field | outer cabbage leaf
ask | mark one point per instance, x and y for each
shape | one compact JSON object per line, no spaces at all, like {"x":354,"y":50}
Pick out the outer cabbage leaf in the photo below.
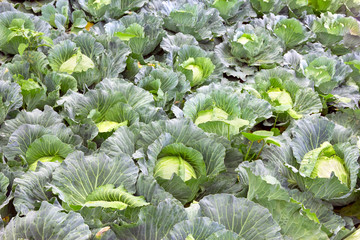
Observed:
{"x":309,"y":134}
{"x":154,"y":222}
{"x":31,"y":64}
{"x":313,"y":6}
{"x":324,"y":6}
{"x":11,"y":98}
{"x":4,"y":183}
{"x":31,"y":189}
{"x":180,"y":130}
{"x":233,"y":67}
{"x":148,"y":187}
{"x":324,"y":211}
{"x":263,"y":183}
{"x":47,"y":148}
{"x":59,"y":83}
{"x":134,"y":96}
{"x":240,"y":215}
{"x":96,"y":9}
{"x":121,"y":142}
{"x":99,"y":220}
{"x":294,"y":223}
{"x":108,"y":8}
{"x":346,"y":96}
{"x":199,"y":228}
{"x":225,"y":235}
{"x":292,"y":32}
{"x":49,"y":222}
{"x":355,"y":235}
{"x":33,"y":92}
{"x":173,"y":43}
{"x":233,"y":10}
{"x":117,"y":198}
{"x":36,"y":6}
{"x":264,"y":6}
{"x":353,"y":60}
{"x":65,"y":57}
{"x":112,"y":61}
{"x":349,"y":118}
{"x":321,"y":71}
{"x":46,"y":118}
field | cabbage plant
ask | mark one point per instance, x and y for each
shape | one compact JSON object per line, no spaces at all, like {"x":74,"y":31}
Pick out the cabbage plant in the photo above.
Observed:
{"x":31,"y":139}
{"x":340,"y":33}
{"x":213,"y":220}
{"x":39,"y":86}
{"x":165,"y":85}
{"x":267,"y":187}
{"x":197,"y":65}
{"x":19,"y":32}
{"x":314,"y":6}
{"x":353,"y":61}
{"x":58,"y":15}
{"x":291,"y":31}
{"x":319,"y":161}
{"x":112,"y":104}
{"x":248,"y":46}
{"x":179,"y":119}
{"x":85,"y":59}
{"x":232,"y":10}
{"x":142,"y":33}
{"x":46,"y":223}
{"x":287,"y":95}
{"x":189,"y":18}
{"x":110,"y":185}
{"x":99,"y":10}
{"x":324,"y":70}
{"x":225,"y":112}
{"x":179,"y":154}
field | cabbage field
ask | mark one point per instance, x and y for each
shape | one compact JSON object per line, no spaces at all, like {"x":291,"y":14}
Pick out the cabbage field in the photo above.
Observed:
{"x":179,"y":120}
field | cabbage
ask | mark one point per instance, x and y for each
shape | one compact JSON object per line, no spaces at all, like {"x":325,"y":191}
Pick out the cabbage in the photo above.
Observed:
{"x":281,"y":97}
{"x":167,"y":166}
{"x":200,"y":67}
{"x":322,"y":162}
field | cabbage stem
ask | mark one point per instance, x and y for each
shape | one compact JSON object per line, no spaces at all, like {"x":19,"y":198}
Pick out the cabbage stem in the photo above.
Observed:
{"x":248,"y":151}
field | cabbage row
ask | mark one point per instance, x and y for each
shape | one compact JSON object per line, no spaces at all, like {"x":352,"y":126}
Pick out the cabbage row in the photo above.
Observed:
{"x":179,"y":120}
